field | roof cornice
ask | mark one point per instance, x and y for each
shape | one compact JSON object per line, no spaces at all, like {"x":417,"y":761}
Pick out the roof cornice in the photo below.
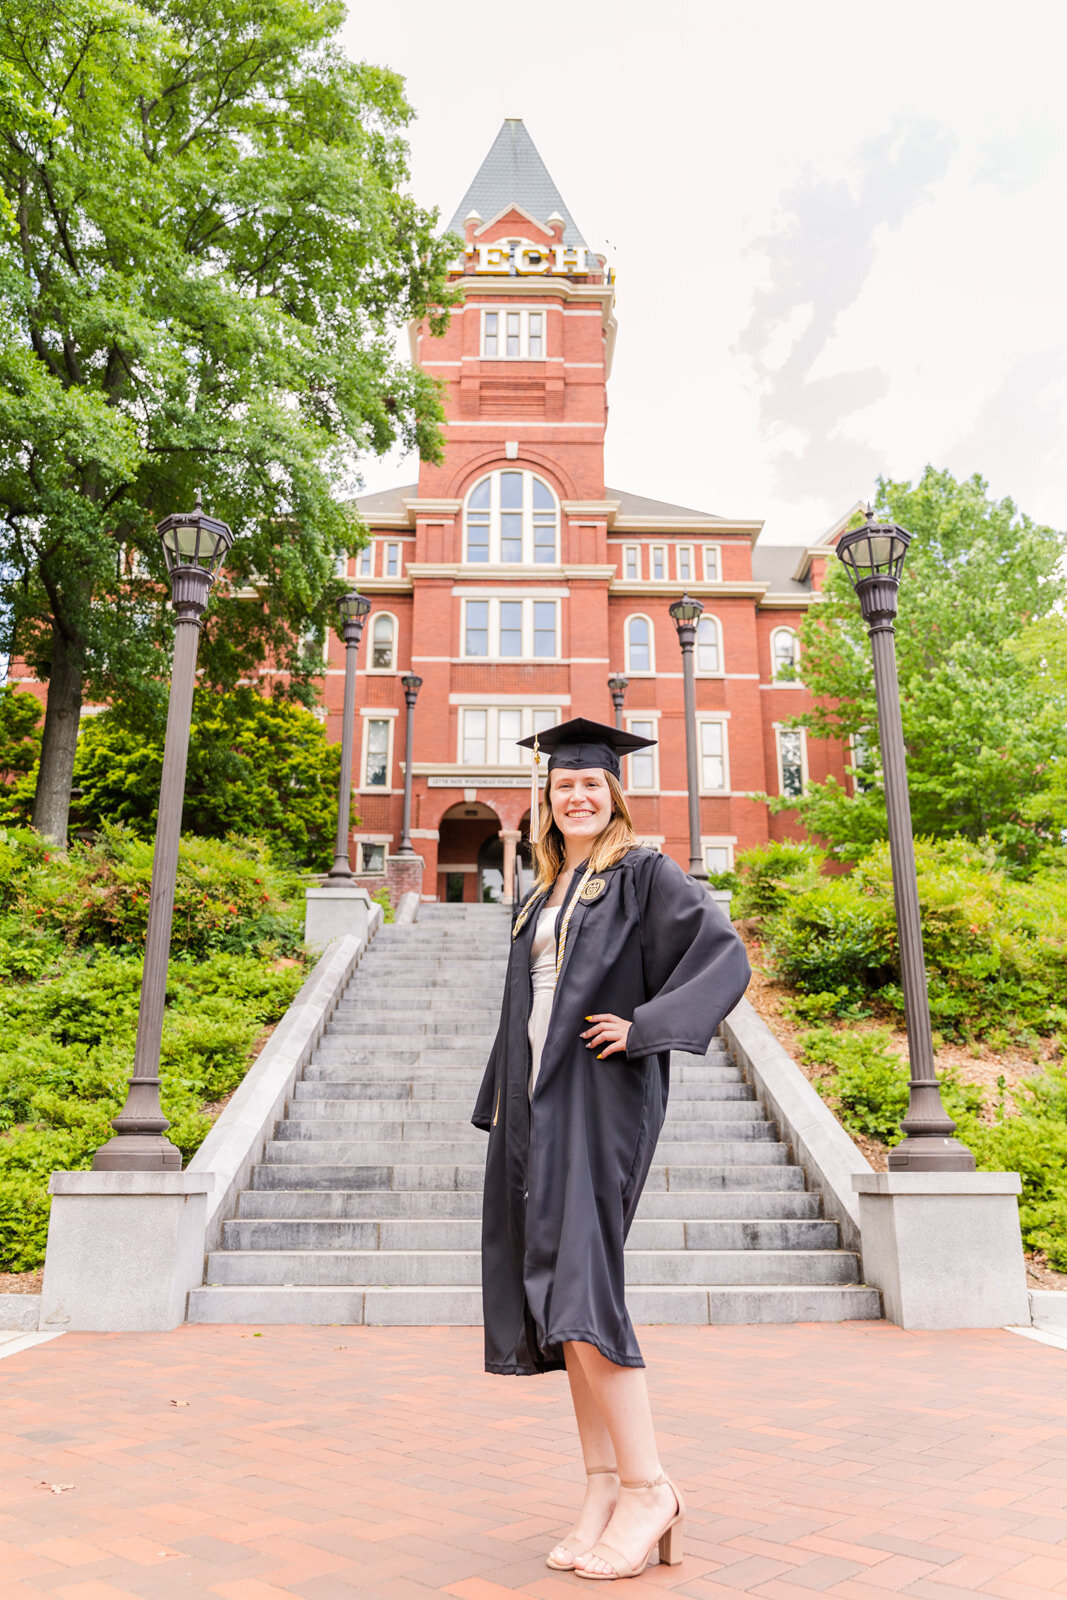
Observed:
{"x":707,"y":526}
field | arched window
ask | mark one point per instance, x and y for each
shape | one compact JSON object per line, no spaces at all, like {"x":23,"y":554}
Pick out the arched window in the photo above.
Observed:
{"x":639,"y":657}
{"x":785,"y":652}
{"x":383,"y":643}
{"x":512,"y":517}
{"x":709,"y":645}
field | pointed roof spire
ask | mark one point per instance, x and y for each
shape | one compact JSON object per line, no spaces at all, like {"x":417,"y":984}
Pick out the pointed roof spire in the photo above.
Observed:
{"x":514,"y":174}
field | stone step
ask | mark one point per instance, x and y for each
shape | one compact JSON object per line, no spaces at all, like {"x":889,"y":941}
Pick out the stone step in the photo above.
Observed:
{"x":446,"y":1133}
{"x":415,"y":1093}
{"x":686,"y":1205}
{"x":333,"y":1060}
{"x":439,"y":1175}
{"x":334,"y":1152}
{"x":452,"y":1115}
{"x":464,"y":1233}
{"x":414,"y":1025}
{"x":644,"y":1268}
{"x":442,"y":1306}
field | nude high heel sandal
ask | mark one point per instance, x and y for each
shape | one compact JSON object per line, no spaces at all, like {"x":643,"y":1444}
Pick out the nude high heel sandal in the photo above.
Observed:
{"x":569,"y":1543}
{"x":669,"y":1540}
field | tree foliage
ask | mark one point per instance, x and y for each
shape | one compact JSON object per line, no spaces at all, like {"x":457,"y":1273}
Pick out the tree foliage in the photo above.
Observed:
{"x":982,"y":705}
{"x":205,"y":254}
{"x":258,"y":768}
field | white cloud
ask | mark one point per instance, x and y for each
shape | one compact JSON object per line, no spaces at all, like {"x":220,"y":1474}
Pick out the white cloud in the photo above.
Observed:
{"x":836,"y":230}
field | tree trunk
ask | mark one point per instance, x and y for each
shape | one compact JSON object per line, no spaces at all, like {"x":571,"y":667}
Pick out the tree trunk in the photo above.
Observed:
{"x":51,"y":802}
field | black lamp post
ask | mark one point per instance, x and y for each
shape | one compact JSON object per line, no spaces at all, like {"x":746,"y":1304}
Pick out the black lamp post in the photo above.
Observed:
{"x":412,"y":685}
{"x":874,"y":557}
{"x":618,"y":687}
{"x":195,"y":546}
{"x":686,"y":613}
{"x":353,"y":608}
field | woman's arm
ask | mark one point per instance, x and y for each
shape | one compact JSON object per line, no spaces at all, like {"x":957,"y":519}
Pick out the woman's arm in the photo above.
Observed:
{"x":696,"y":969}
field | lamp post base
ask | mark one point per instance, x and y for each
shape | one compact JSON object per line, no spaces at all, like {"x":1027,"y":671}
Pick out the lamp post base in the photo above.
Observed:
{"x":138,"y":1152}
{"x":930,"y":1153}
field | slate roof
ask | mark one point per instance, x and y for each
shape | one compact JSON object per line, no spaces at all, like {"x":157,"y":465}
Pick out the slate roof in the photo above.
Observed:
{"x":514,"y":174}
{"x":386,"y":502}
{"x":775,"y":565}
{"x":636,"y":505}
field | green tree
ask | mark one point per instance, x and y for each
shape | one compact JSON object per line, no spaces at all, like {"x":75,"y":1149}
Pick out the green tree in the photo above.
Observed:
{"x":258,"y":768}
{"x":20,"y":739}
{"x":205,"y":255}
{"x":984,"y":732}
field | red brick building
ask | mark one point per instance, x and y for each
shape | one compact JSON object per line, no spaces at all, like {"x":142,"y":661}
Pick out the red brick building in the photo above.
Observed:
{"x":515,"y":583}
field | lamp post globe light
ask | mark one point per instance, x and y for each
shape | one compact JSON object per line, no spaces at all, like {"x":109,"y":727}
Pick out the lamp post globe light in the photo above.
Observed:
{"x":686,"y":613}
{"x":194,"y":546}
{"x":618,"y":687}
{"x":412,"y":685}
{"x":874,"y":558}
{"x":353,"y":608}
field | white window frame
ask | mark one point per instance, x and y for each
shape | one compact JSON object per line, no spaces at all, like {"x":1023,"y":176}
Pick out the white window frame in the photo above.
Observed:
{"x":680,"y":551}
{"x":640,"y":672}
{"x":362,"y":845}
{"x":720,"y":670}
{"x":712,"y":560}
{"x":494,"y":603}
{"x":530,"y":717}
{"x":530,"y":513}
{"x":652,"y":754}
{"x":393,"y":550}
{"x":365,"y":560}
{"x":634,"y":551}
{"x":803,"y":735}
{"x":524,"y":313}
{"x":858,"y":747}
{"x":724,"y":724}
{"x":370,"y":626}
{"x":376,"y":714}
{"x":777,"y":633}
{"x":658,"y":552}
{"x":717,"y":842}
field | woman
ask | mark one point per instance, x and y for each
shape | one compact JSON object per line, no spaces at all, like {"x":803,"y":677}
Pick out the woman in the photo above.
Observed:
{"x":617,"y":959}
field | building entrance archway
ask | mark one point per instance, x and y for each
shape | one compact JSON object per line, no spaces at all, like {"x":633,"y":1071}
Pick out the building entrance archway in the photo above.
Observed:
{"x":479,"y":859}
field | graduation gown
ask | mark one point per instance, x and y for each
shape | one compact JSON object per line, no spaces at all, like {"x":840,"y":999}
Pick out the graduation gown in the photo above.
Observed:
{"x":564,"y":1173}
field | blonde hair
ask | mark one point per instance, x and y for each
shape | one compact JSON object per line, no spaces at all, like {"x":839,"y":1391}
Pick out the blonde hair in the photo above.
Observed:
{"x":608,"y":847}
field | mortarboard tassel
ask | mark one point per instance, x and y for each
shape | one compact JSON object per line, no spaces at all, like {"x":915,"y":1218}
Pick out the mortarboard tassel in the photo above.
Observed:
{"x":535,"y":803}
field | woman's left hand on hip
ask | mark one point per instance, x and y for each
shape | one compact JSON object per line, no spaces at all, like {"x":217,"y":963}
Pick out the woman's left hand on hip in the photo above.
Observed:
{"x":608,"y":1034}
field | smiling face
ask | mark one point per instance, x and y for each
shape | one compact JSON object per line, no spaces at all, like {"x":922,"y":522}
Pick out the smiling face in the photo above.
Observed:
{"x":580,"y":801}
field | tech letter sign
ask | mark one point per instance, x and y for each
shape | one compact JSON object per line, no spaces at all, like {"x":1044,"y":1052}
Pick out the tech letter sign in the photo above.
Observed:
{"x":529,"y":260}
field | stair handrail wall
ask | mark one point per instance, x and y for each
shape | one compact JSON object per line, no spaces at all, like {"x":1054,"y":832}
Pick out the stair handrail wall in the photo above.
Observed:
{"x":819,"y":1143}
{"x":239,"y":1136}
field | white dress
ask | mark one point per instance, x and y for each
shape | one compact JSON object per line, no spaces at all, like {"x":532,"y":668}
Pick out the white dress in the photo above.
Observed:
{"x":543,"y":977}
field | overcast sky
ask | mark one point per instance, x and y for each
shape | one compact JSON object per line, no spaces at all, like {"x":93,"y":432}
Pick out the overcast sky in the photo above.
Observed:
{"x":838,"y":229}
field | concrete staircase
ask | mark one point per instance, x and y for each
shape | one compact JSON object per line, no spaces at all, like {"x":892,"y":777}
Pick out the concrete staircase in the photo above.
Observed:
{"x":367,"y":1206}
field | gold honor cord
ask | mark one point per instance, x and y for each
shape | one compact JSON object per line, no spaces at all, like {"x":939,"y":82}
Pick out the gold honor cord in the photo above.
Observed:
{"x":586,"y":875}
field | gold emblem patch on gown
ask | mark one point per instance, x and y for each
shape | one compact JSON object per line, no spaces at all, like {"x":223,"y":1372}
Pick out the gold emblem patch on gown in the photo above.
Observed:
{"x":592,"y":890}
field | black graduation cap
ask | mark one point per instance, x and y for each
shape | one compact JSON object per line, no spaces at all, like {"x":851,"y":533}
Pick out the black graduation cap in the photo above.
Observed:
{"x":581,"y":743}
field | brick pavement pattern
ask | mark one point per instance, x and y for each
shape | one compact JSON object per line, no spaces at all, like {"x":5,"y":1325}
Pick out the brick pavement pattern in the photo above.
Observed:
{"x":852,"y":1460}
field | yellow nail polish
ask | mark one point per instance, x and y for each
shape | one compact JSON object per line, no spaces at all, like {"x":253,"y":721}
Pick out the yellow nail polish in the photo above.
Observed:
{"x":588,"y":1019}
{"x":600,"y":1057}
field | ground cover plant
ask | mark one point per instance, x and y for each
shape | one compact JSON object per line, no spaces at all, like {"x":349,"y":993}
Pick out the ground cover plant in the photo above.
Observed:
{"x":72,"y":928}
{"x":996,"y":955}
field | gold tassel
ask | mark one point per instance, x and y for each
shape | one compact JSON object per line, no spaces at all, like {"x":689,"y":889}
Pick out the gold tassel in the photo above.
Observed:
{"x":535,"y":801}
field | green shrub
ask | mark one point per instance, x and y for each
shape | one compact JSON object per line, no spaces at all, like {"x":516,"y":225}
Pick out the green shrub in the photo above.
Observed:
{"x":770,"y":874}
{"x":995,"y":944}
{"x":71,"y":953}
{"x":868,"y":1086}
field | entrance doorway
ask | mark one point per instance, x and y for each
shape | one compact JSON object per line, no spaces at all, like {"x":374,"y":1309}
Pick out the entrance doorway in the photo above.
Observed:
{"x":463,"y":871}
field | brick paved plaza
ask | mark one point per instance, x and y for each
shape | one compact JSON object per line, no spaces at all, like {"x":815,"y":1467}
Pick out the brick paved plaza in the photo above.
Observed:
{"x":851,"y":1460}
